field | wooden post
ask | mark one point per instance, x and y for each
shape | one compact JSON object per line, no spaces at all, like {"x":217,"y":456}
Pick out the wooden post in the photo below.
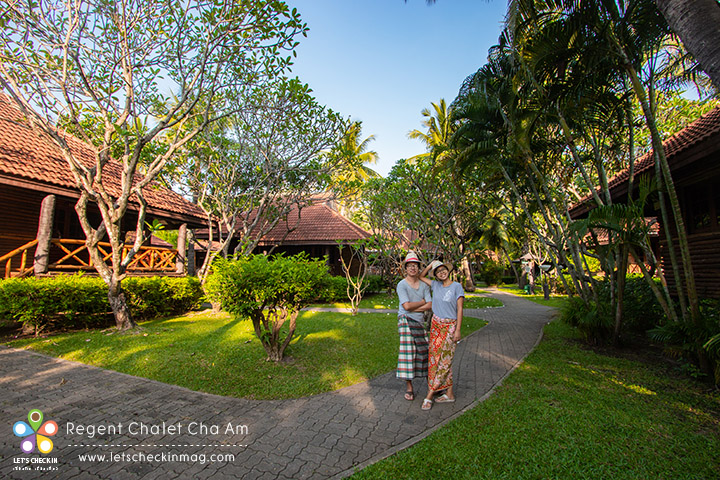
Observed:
{"x":44,"y":235}
{"x":191,"y":255}
{"x":181,"y":249}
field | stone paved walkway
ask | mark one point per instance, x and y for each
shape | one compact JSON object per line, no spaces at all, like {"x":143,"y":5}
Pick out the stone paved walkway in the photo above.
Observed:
{"x":324,"y":436}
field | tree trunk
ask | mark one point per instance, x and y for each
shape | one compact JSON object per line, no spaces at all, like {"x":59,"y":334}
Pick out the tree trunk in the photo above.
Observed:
{"x":512,"y":266}
{"x":119,"y":306}
{"x":697,"y":23}
{"x":621,"y":277}
{"x":469,"y":284}
{"x":672,"y":195}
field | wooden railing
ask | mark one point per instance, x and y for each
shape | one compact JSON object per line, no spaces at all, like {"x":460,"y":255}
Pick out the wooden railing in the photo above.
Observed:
{"x":74,"y":256}
{"x":22,"y":252}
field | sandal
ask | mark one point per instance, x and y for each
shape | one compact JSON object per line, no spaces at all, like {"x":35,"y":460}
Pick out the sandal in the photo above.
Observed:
{"x":427,"y":404}
{"x":409,"y":395}
{"x":444,"y":399}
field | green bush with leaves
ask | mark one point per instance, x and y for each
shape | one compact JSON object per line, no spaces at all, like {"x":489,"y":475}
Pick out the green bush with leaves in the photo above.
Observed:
{"x":641,"y":310}
{"x":594,"y":321}
{"x":65,"y":301}
{"x":78,"y":301}
{"x":491,"y":272}
{"x":334,"y":290}
{"x":152,"y":297}
{"x":376,"y":284}
{"x":558,"y":287}
{"x":682,"y":339}
{"x":270,"y":291}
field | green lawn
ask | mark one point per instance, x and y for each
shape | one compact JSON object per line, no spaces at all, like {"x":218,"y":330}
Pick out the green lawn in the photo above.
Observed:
{"x":571,"y":413}
{"x":215,"y":353}
{"x":556,"y":301}
{"x":383,"y":300}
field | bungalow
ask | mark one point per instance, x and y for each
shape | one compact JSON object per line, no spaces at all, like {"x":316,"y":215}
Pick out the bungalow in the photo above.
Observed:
{"x":315,"y":228}
{"x":693,"y":155}
{"x":36,"y":182}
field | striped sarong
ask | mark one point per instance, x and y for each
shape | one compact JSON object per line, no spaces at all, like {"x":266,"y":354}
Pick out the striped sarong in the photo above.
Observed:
{"x":413,"y":356}
{"x":442,"y":350}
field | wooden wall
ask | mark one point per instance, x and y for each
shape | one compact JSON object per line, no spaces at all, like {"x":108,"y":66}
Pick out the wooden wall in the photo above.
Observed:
{"x":19,"y":214}
{"x":705,"y":257}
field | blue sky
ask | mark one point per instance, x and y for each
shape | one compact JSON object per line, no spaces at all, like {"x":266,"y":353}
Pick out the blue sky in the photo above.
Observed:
{"x":383,"y":61}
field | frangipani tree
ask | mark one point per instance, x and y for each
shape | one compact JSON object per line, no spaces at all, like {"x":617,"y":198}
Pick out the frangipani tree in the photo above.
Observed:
{"x":126,"y":62}
{"x":266,"y":161}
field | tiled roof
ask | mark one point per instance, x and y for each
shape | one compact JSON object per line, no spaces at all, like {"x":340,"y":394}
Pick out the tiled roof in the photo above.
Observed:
{"x":316,"y":224}
{"x":704,"y":127}
{"x":28,"y":156}
{"x":602,"y":235}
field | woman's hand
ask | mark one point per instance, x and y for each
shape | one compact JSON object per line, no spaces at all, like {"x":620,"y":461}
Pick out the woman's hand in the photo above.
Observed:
{"x":457,"y":336}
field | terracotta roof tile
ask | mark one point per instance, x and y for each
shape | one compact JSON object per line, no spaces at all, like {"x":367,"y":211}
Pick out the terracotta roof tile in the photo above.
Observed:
{"x":706,"y":126}
{"x":317,"y":224}
{"x":25,"y":154}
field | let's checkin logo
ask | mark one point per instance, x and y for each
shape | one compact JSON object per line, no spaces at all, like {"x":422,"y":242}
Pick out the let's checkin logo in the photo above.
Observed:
{"x":35,"y":434}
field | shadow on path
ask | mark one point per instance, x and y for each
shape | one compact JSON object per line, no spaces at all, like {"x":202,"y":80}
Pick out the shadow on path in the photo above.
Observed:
{"x":165,"y":431}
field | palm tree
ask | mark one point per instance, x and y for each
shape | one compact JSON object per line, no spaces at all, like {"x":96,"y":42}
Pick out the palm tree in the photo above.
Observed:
{"x":352,"y":155}
{"x":440,"y":129}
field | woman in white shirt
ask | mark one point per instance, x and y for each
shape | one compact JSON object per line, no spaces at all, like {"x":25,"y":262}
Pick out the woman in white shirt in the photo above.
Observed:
{"x":447,"y":307}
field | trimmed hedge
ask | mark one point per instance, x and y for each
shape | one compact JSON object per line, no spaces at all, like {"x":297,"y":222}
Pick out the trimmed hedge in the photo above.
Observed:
{"x":335,"y":289}
{"x":77,"y":301}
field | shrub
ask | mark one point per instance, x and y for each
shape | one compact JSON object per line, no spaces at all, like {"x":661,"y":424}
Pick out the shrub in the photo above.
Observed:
{"x":151,"y":297}
{"x":376,"y":284}
{"x":269,"y":291}
{"x":557,"y":286}
{"x":491,"y":272}
{"x":641,"y":311}
{"x":334,"y":290}
{"x":66,"y":301}
{"x":78,"y":301}
{"x":594,"y":322}
{"x":684,"y":339}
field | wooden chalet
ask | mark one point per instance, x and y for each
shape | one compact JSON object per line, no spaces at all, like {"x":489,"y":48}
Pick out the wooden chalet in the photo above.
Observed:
{"x":36,"y":183}
{"x":694,"y":158}
{"x":315,"y":229}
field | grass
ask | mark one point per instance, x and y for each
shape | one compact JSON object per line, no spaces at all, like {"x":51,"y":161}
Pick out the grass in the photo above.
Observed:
{"x":573,"y":413}
{"x":383,"y":300}
{"x":556,"y":301}
{"x":216,"y":353}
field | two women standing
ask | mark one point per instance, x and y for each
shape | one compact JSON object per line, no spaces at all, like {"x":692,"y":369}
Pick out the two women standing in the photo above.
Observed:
{"x":446,"y":303}
{"x":415,"y":299}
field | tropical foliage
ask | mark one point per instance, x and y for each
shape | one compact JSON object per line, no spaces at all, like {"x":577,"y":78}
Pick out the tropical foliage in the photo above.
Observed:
{"x":572,"y":94}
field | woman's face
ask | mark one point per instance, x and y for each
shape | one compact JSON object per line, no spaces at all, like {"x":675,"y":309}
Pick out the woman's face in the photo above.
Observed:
{"x":442,"y":273}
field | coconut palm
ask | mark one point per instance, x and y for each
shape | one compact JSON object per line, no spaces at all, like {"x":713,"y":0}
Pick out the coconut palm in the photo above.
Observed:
{"x":440,"y":129}
{"x":352,"y":157}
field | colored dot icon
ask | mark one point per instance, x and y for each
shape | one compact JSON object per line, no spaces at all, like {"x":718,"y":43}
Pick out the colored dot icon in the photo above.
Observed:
{"x":35,"y":433}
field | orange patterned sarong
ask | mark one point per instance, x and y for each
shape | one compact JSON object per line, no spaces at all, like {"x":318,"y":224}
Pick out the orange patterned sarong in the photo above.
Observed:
{"x":442,"y":350}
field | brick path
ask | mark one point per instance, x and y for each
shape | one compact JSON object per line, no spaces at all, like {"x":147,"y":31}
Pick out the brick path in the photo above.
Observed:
{"x":324,"y":436}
